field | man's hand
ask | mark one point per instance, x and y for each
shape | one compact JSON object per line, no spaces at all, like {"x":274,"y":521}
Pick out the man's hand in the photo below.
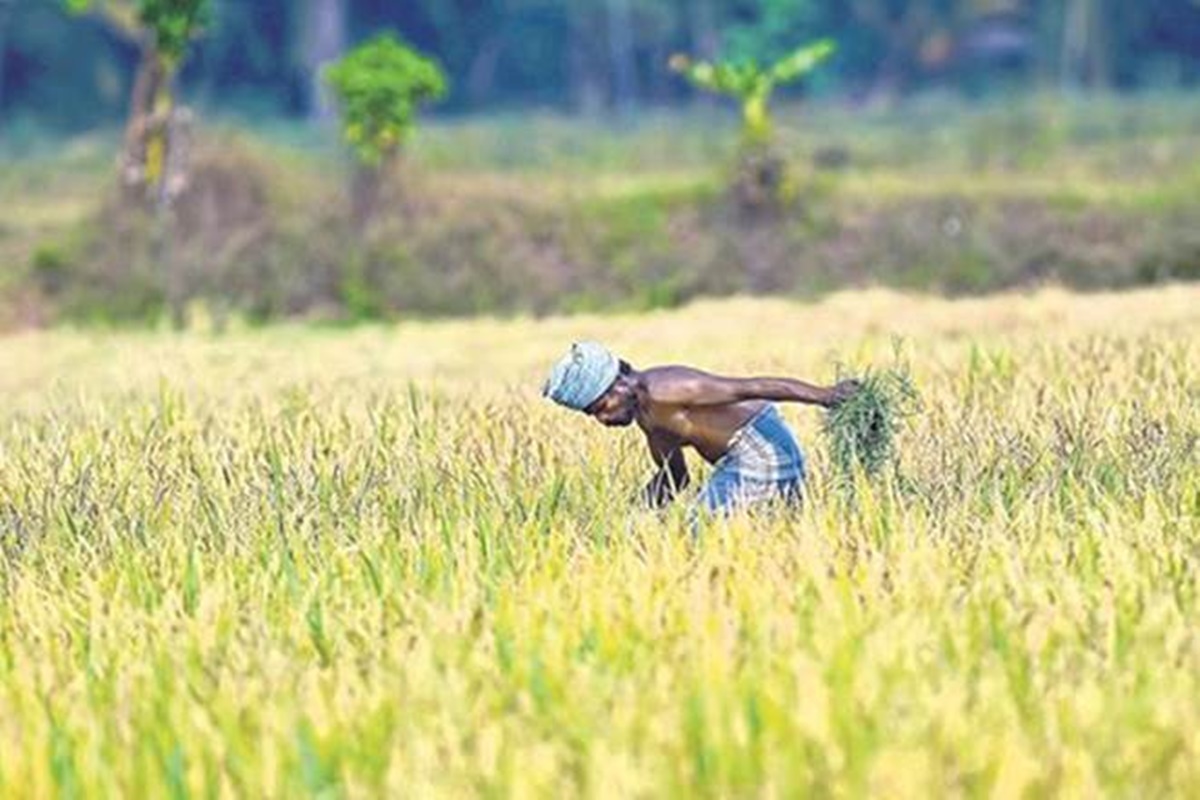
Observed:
{"x":672,"y":473}
{"x":659,"y":491}
{"x":842,"y":392}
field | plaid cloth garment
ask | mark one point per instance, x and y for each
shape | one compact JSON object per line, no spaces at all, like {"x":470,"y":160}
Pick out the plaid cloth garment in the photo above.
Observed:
{"x":764,"y":461}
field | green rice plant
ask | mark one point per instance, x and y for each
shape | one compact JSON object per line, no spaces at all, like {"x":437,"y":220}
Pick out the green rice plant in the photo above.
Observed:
{"x":861,"y":431}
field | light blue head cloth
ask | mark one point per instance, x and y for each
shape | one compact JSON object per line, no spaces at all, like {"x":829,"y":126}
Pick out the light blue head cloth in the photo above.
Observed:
{"x":582,"y":376}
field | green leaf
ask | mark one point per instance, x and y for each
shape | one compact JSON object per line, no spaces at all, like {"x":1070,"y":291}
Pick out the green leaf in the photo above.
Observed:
{"x":803,"y":61}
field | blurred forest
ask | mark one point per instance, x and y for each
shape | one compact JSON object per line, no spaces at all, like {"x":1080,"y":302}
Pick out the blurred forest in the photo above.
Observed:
{"x":534,"y":156}
{"x":594,"y":56}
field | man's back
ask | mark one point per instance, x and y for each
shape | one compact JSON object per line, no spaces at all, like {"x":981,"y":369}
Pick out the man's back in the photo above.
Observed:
{"x":663,"y":411}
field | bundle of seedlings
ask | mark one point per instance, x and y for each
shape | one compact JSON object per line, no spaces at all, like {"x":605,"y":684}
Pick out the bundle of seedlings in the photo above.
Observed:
{"x":861,"y":431}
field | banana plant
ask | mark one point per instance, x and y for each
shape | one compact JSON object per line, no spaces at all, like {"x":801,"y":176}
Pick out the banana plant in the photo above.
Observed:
{"x":760,"y":183}
{"x":752,"y":84}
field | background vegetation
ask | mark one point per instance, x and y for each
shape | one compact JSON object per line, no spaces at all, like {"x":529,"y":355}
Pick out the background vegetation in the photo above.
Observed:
{"x":948,"y":146}
{"x":541,"y":213}
{"x":596,"y":55}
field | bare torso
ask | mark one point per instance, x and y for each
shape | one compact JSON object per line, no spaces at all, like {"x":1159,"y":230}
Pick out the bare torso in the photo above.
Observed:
{"x":707,"y":428}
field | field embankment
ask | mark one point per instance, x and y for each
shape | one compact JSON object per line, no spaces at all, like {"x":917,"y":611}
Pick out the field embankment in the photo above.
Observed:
{"x":546,"y":215}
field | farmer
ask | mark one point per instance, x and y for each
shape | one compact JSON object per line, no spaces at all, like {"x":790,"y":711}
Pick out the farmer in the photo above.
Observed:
{"x":731,"y":422}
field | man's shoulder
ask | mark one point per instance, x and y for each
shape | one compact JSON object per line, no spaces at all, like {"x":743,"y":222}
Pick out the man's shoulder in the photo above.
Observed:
{"x":669,"y":373}
{"x":668,"y":369}
{"x":673,"y":382}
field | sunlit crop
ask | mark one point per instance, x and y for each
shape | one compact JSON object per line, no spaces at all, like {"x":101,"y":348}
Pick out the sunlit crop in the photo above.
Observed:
{"x":374,"y":562}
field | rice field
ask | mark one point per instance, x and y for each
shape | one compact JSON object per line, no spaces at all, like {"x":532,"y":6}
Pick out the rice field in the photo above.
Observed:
{"x":374,"y":562}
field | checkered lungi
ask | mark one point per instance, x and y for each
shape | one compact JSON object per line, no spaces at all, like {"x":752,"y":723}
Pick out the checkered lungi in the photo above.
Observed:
{"x":764,"y":461}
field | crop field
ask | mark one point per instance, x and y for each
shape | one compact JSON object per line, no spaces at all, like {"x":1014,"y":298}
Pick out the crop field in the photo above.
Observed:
{"x":368,"y":562}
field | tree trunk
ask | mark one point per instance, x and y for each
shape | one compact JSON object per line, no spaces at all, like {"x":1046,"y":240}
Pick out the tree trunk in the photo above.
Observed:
{"x":889,"y":77}
{"x":1099,"y":63}
{"x":620,"y":46}
{"x":702,"y":29}
{"x":153,"y":168}
{"x":324,"y":41}
{"x":6,"y":15}
{"x":144,"y":139}
{"x":1073,"y":31}
{"x":163,"y":252}
{"x":586,"y":91}
{"x":481,"y":74}
{"x":1086,"y":45}
{"x":902,"y":36}
{"x":366,"y":189}
{"x":658,"y":85}
{"x":703,"y":38}
{"x":1049,"y":46}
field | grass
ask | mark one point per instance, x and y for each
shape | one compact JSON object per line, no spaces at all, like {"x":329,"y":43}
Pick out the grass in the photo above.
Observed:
{"x":290,"y":562}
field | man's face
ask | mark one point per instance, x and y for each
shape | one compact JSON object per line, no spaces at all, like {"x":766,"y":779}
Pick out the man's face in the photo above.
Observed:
{"x":617,"y":407}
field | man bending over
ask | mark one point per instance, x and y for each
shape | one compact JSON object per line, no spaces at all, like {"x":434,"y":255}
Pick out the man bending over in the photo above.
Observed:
{"x":732,"y":422}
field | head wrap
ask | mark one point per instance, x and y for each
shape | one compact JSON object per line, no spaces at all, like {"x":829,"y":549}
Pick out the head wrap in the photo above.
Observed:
{"x":582,"y":376}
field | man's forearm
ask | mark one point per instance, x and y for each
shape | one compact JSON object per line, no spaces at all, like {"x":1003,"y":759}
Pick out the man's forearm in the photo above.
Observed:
{"x":787,"y":390}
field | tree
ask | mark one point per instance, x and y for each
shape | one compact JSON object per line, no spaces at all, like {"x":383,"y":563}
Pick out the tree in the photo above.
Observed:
{"x":901,"y":29}
{"x":760,"y":178}
{"x":378,"y":87}
{"x":1088,"y":49}
{"x":323,"y":40}
{"x":151,"y":169}
{"x":153,"y":161}
{"x":620,"y":47}
{"x":6,"y":9}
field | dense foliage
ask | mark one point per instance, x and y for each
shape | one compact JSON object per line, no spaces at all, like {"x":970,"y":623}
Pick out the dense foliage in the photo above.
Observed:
{"x":172,"y":24}
{"x":588,"y":54}
{"x":378,"y":87}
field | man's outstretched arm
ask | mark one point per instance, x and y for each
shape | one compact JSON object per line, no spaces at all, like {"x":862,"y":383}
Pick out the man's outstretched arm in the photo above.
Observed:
{"x":686,"y":386}
{"x":672,"y":475}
